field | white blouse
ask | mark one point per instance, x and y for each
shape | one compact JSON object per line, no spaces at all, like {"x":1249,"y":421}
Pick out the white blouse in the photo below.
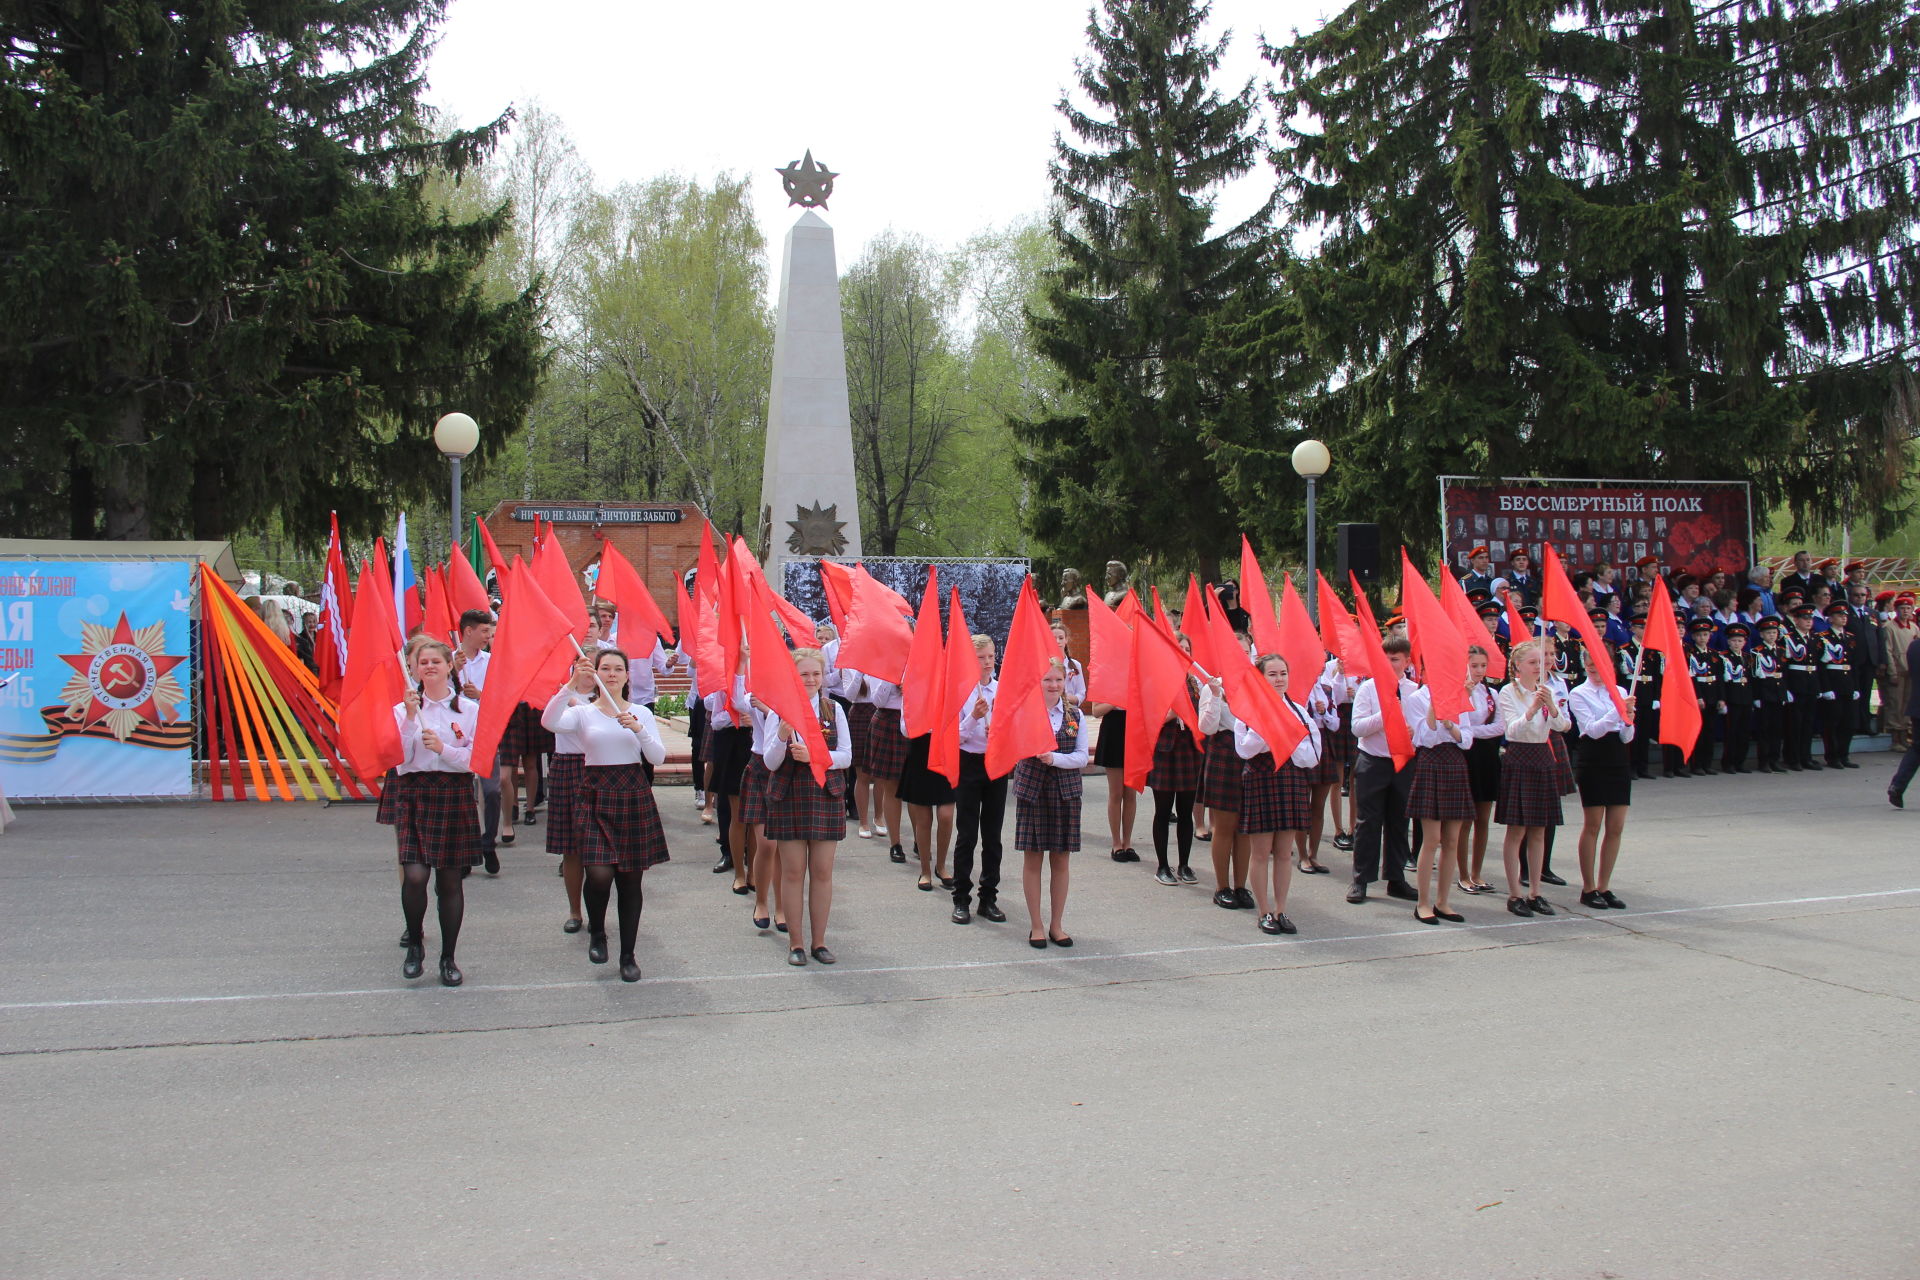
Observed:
{"x":883,"y":695}
{"x":602,"y":738}
{"x":1076,"y":758}
{"x":1248,"y":743}
{"x":773,"y":748}
{"x":1524,"y":723}
{"x":1435,"y":735}
{"x":454,"y":727}
{"x":973,"y":731}
{"x":1215,"y":715}
{"x":1484,"y":719}
{"x":1593,"y":710}
{"x":728,"y":712}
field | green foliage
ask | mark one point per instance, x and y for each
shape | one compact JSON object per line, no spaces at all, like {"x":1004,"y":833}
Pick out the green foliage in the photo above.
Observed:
{"x":226,"y":291}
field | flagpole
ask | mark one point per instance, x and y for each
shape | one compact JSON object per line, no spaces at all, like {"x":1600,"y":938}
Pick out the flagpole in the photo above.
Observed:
{"x":596,"y":673}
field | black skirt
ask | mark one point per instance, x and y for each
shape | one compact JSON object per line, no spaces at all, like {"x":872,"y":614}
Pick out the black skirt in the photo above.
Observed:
{"x":1483,"y":770}
{"x":1274,"y":800}
{"x":1604,"y":772}
{"x":1110,"y":748}
{"x":727,"y":750}
{"x":886,"y":747}
{"x":1529,"y":786}
{"x":1220,"y":776}
{"x":1177,"y":762}
{"x":919,"y":784}
{"x":1441,"y":788}
{"x":435,"y":818}
{"x":563,"y":794}
{"x":618,"y":821}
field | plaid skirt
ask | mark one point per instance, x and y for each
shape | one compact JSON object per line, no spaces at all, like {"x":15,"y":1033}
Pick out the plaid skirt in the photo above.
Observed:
{"x":1483,"y":770}
{"x":435,"y":817}
{"x":753,"y":790}
{"x":1562,"y":744}
{"x":1220,"y":775}
{"x":886,"y":747}
{"x":1441,"y":788}
{"x":919,"y":784}
{"x":1274,"y":800}
{"x":1326,"y":770}
{"x":563,"y":794}
{"x":1177,"y":763}
{"x":1341,"y":745}
{"x":1051,"y":825}
{"x":618,"y":822}
{"x":860,"y":728}
{"x":384,"y":810}
{"x":524,"y":736}
{"x":1529,"y":787}
{"x":798,"y":808}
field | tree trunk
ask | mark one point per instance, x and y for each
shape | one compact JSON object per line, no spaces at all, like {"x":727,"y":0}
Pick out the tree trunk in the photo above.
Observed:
{"x":83,"y":499}
{"x":128,"y":518}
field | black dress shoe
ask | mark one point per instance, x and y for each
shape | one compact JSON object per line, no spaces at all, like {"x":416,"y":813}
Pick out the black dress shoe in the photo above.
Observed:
{"x":1063,"y":941}
{"x":1612,"y":901}
{"x":1519,"y":906}
{"x":629,"y":970}
{"x":597,"y":948}
{"x":1894,"y":798}
{"x":1225,"y":897}
{"x":1849,"y":764}
{"x":961,"y":915}
{"x":493,"y":862}
{"x":1812,"y":766}
{"x":989,"y":911}
{"x":1165,"y":876}
{"x":406,"y":935}
{"x":573,"y":925}
{"x":797,"y":958}
{"x":507,"y":839}
{"x":1451,"y":917}
{"x":1269,"y":923}
{"x":1358,"y":893}
{"x":896,"y":854}
{"x":1038,"y":944}
{"x":1547,"y":877}
{"x":1125,"y":855}
{"x":1343,"y":841}
{"x":1244,"y":897}
{"x":724,"y":865}
{"x":743,"y":889}
{"x":412,"y":966}
{"x":1286,"y":925}
{"x":1644,"y":776}
{"x":822,"y":956}
{"x":1594,"y":900}
{"x":1541,"y":907}
{"x":1186,"y":876}
{"x":450,"y":975}
{"x":1402,"y":890}
{"x":1425,"y":919}
{"x":763,"y":923}
{"x":946,"y":882}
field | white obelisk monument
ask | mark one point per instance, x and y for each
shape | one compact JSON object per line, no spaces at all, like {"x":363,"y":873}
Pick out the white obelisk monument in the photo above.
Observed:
{"x":808,"y":503}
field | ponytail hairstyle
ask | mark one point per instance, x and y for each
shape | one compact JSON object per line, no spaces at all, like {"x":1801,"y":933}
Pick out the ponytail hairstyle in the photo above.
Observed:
{"x":424,"y":641}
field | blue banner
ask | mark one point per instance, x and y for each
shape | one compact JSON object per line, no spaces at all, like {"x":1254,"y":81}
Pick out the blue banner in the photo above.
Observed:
{"x":96,"y":661}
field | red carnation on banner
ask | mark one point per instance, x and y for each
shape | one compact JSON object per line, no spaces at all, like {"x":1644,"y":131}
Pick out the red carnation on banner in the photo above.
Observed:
{"x":1386,"y":687}
{"x":638,"y":613}
{"x":1109,"y":653}
{"x":961,"y":674}
{"x":1437,"y":644}
{"x":921,"y":688}
{"x":1679,"y":714}
{"x":1466,"y":620}
{"x":1258,"y":602}
{"x":374,"y":681}
{"x":1019,"y":725}
{"x":532,"y":639}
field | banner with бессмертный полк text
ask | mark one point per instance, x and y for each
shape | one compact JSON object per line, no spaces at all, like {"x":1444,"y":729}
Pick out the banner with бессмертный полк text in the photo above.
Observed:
{"x":1690,"y":526}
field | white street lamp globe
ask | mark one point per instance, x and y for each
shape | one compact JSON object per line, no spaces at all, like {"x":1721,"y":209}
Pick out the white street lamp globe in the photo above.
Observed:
{"x":1311,"y":459}
{"x":457,"y":435}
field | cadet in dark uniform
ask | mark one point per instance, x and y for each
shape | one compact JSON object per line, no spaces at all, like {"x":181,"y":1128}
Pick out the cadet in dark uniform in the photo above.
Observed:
{"x":1479,"y":575}
{"x":1797,"y":647}
{"x":1837,"y":689}
{"x":1768,"y":670}
{"x":1645,"y":692}
{"x":1703,"y":666}
{"x":1736,"y":698}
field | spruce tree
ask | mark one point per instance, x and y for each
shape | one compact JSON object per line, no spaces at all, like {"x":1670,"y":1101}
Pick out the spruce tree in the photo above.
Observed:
{"x":1137,"y":318}
{"x":226,"y":290}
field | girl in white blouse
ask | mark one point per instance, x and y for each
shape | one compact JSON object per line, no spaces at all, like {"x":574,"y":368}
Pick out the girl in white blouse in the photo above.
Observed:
{"x":430,"y":802}
{"x":1605,"y":775}
{"x":1275,"y":801}
{"x":618,"y":823}
{"x":1046,"y":818}
{"x":807,"y":821}
{"x":1485,"y":727}
{"x":1529,"y":773}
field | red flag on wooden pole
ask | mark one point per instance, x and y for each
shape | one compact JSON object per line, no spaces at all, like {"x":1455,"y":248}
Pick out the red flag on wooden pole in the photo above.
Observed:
{"x":1437,"y":644}
{"x":1386,"y":685}
{"x":772,"y":676}
{"x":961,"y":672}
{"x":441,"y":622}
{"x":1300,"y":642}
{"x":1342,"y":638}
{"x":1193,"y":625}
{"x":374,"y":681}
{"x":876,"y":640}
{"x":1561,"y":603}
{"x":1019,"y":725}
{"x":921,"y":689}
{"x":1466,"y":620}
{"x":1258,"y":602}
{"x":1109,"y":652}
{"x":464,"y":589}
{"x":533,"y":638}
{"x":621,"y":584}
{"x":1679,"y":712}
{"x":1156,"y":684}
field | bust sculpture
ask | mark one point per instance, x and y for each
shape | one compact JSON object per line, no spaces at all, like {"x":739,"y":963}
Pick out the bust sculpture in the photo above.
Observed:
{"x":1073,"y":593}
{"x":1116,"y":583}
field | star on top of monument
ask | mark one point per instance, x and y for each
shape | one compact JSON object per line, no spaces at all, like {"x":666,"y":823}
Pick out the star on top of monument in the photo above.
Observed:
{"x":808,"y":182}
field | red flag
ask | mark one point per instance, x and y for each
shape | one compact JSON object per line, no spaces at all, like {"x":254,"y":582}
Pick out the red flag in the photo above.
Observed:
{"x":1258,"y":602}
{"x":1679,"y":713}
{"x":753,"y":586}
{"x":1193,"y":625}
{"x":1466,"y":620}
{"x":1019,"y":725}
{"x":1518,"y":628}
{"x":733,"y":603}
{"x":441,"y":623}
{"x":900,"y":603}
{"x":1342,"y":638}
{"x":1156,"y":684}
{"x":1374,"y":665}
{"x":336,"y":616}
{"x":921,"y":688}
{"x":1109,"y":653}
{"x":493,"y":557}
{"x":798,"y":624}
{"x":1438,"y":645}
{"x":374,"y":681}
{"x":961,"y":672}
{"x":683,"y":614}
{"x":635,"y":606}
{"x":464,"y":590}
{"x":876,"y":640}
{"x":1300,"y":643}
{"x":709,"y":655}
{"x":534,"y":636}
{"x":836,"y":583}
{"x":1250,"y":696}
{"x":773,"y":678}
{"x":1561,"y":603}
{"x":1129,"y":609}
{"x":561,"y":586}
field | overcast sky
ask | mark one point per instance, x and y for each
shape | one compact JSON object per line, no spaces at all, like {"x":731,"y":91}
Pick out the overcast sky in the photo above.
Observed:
{"x":941,"y":118}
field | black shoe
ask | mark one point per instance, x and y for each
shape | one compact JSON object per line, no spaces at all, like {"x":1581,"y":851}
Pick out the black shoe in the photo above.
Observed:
{"x":1286,"y":925}
{"x":1038,"y":944}
{"x":597,"y":948}
{"x":763,"y":923}
{"x":1343,"y":841}
{"x":1165,"y":876}
{"x":1244,"y":897}
{"x":532,"y":818}
{"x":629,"y":970}
{"x":1425,"y":919}
{"x":1644,"y":776}
{"x":724,"y":865}
{"x":780,"y":925}
{"x":1269,"y":924}
{"x":414,"y":963}
{"x":961,"y":915}
{"x":946,"y":882}
{"x":1186,"y":876}
{"x":1519,"y":906}
{"x":1894,"y":798}
{"x":1707,"y":769}
{"x":507,"y":839}
{"x":450,"y":975}
{"x":1358,"y":893}
{"x":1062,"y":941}
{"x":797,"y":958}
{"x":1125,"y":855}
{"x":925,"y":885}
{"x":1402,"y":890}
{"x":1541,"y":907}
{"x":990,"y":911}
{"x":743,"y":889}
{"x":573,"y":925}
{"x":1547,"y":877}
{"x":1794,"y":766}
{"x":822,"y":956}
{"x":407,"y":939}
{"x":1594,"y":900}
{"x":1849,"y":764}
{"x":1225,"y":897}
{"x":1451,"y":917}
{"x":493,"y":862}
{"x":1812,"y":766}
{"x":1612,"y":901}
{"x":896,"y":854}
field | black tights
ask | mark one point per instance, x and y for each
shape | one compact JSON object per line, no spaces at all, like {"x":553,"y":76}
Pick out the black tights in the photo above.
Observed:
{"x":1172,"y":808}
{"x":602,"y":880}
{"x":451,"y":891}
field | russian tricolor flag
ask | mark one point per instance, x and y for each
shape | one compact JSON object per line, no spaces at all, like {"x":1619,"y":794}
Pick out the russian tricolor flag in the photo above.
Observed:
{"x":406,"y":588}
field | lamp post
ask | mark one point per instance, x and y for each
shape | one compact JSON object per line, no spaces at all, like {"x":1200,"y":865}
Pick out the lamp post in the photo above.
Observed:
{"x":1311,"y":460}
{"x":456,"y":435}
